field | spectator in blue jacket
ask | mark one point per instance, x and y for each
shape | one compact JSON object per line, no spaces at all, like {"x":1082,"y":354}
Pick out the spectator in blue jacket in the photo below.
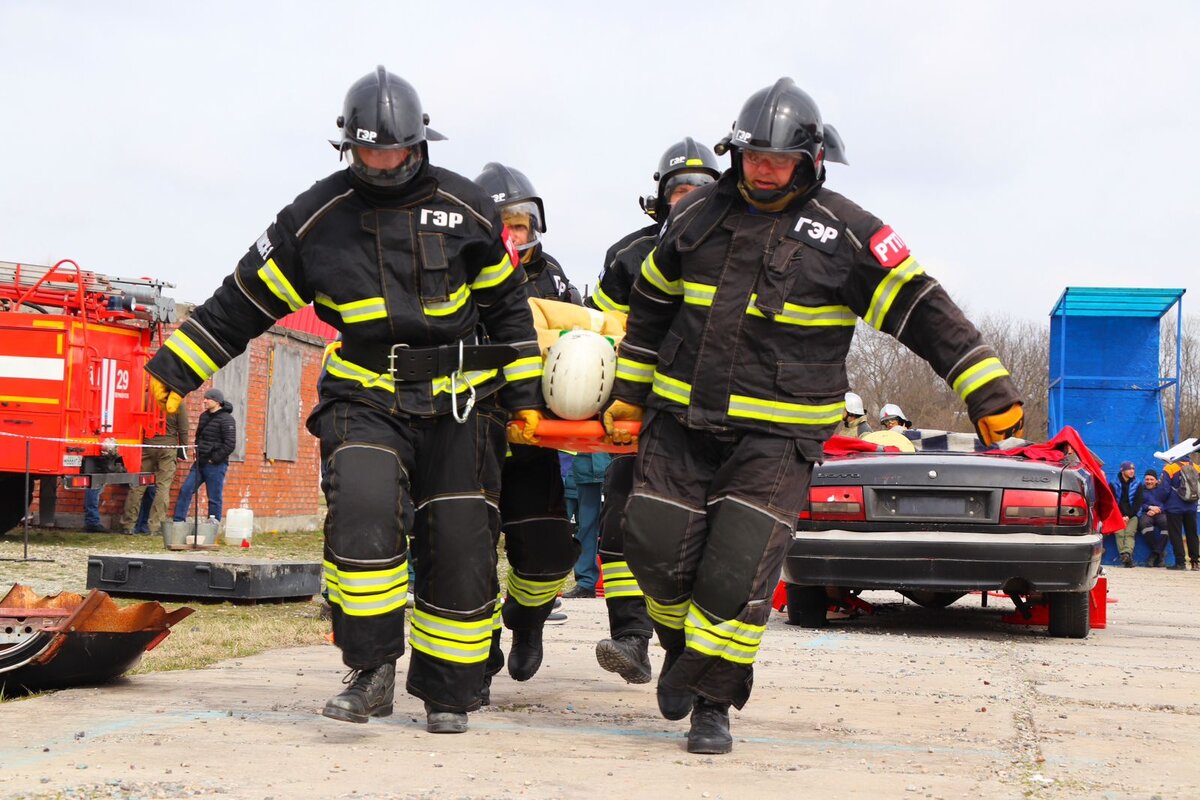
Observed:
{"x":1152,"y":520}
{"x":588,"y":470}
{"x":1125,"y":489}
{"x":1181,"y":514}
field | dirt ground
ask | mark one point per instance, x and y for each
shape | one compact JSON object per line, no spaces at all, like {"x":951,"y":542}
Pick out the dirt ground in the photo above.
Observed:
{"x":908,"y":703}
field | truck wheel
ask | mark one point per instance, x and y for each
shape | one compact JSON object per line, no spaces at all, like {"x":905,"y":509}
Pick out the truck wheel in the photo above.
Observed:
{"x":930,"y":599}
{"x":1069,"y":615}
{"x":12,"y":504}
{"x":806,"y":605}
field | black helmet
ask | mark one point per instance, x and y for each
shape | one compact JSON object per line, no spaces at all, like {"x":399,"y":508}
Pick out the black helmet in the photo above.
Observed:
{"x":685,"y":162}
{"x":382,"y":112}
{"x":835,"y":148}
{"x":514,"y":195}
{"x":779,"y":119}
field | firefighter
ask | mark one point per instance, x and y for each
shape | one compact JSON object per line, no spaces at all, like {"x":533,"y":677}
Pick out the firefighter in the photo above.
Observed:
{"x":405,"y":260}
{"x":537,"y":536}
{"x":892,"y":416}
{"x":684,"y":166}
{"x":740,"y":322}
{"x":854,"y":418}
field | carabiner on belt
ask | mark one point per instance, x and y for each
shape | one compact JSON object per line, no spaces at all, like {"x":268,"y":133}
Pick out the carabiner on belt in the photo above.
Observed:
{"x":454,"y":377}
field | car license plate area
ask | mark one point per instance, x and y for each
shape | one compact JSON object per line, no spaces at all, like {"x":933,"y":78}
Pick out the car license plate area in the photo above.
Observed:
{"x":913,"y":505}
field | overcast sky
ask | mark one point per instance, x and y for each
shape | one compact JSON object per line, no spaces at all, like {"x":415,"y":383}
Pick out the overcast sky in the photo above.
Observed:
{"x":1018,"y":147}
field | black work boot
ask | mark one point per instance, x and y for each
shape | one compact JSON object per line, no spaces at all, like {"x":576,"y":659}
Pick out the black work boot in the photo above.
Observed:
{"x":1126,"y":559}
{"x":525,"y":655}
{"x":368,"y":693}
{"x":709,"y":734}
{"x":673,"y":703}
{"x":442,"y":721}
{"x":628,"y":656}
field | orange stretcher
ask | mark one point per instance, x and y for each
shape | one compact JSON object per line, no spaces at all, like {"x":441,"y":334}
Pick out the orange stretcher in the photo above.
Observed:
{"x":582,"y":436}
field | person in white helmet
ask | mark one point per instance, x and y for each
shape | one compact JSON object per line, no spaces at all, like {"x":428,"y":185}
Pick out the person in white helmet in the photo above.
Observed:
{"x":890,"y":416}
{"x":854,"y":418}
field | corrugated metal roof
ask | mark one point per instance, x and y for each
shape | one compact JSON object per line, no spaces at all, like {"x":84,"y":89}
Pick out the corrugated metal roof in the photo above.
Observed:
{"x":305,"y":320}
{"x":1095,"y":301}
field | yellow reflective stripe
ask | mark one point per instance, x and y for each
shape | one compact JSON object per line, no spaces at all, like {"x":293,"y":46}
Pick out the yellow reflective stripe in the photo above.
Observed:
{"x":357,"y":310}
{"x":369,"y":593}
{"x":450,"y":639}
{"x":458,"y":299}
{"x":523,"y":368}
{"x":672,"y":389}
{"x":606,"y":303}
{"x":637,"y":371}
{"x":731,"y":640}
{"x":496,"y":616}
{"x":698,"y":294}
{"x":532,"y":594}
{"x":279,"y":285}
{"x":473,"y":378}
{"x":341,"y":368}
{"x":786,"y":413}
{"x":694,"y":162}
{"x":978,"y":375}
{"x":191,"y":354}
{"x":618,"y":580}
{"x":651,"y":273}
{"x":493,"y":275}
{"x":888,"y":288}
{"x":670,"y":616}
{"x":793,"y":314}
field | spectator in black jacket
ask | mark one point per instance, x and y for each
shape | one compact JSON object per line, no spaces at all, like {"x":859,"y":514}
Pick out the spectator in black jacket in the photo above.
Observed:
{"x":216,"y":439}
{"x":1127,"y":489}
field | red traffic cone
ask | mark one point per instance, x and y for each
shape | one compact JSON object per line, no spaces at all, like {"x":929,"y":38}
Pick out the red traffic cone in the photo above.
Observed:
{"x":245,"y":544}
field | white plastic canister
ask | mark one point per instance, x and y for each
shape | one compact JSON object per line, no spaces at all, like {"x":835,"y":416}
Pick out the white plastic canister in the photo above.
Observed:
{"x":239,"y":525}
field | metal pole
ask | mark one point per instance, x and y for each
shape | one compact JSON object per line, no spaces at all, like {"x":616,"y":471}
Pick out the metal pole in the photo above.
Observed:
{"x":1178,"y":361}
{"x":25,"y":504}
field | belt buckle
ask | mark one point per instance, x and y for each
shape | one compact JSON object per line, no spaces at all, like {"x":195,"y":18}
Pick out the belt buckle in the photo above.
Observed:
{"x":392,"y":360}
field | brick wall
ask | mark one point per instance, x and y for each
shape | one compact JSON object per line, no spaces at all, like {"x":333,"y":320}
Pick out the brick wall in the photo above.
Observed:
{"x":282,"y":494}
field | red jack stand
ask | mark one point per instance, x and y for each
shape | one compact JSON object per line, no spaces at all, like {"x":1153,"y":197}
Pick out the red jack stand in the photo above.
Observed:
{"x":1098,"y":601}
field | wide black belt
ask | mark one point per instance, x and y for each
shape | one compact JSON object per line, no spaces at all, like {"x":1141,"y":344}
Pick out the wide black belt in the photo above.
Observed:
{"x":426,"y":363}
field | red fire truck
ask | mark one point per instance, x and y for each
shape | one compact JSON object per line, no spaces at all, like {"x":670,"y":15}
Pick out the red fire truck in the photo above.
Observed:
{"x":73,"y":400}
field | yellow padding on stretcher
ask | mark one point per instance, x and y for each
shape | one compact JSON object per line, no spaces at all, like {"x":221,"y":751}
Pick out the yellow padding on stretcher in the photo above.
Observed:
{"x":551,"y":317}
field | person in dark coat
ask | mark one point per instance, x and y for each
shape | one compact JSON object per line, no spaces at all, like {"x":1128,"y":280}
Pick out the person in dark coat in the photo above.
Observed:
{"x":216,"y":439}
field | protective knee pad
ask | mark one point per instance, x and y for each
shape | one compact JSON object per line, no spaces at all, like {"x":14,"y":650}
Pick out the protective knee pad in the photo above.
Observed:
{"x":456,"y":567}
{"x":540,"y":548}
{"x":730,"y":574}
{"x":661,"y":546}
{"x":368,"y":517}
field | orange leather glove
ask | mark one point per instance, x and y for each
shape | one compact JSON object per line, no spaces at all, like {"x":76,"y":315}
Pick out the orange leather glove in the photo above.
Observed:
{"x":995,"y":428}
{"x":167,"y":399}
{"x":619,"y":410}
{"x":528,"y":434}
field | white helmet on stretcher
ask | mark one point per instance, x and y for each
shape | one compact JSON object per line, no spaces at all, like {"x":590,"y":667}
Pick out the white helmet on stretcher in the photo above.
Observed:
{"x":578,"y":376}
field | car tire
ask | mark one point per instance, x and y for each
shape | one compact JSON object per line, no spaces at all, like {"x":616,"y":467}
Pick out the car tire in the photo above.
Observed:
{"x":806,"y":605}
{"x":931,"y":599}
{"x":1069,"y":614}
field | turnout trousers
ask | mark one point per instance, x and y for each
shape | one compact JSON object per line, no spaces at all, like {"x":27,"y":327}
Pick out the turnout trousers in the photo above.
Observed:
{"x":622,"y":595}
{"x":538,"y":541}
{"x":392,"y":482}
{"x":707,"y":528}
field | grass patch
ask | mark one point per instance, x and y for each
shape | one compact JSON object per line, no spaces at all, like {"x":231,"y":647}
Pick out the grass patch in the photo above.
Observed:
{"x":220,"y":631}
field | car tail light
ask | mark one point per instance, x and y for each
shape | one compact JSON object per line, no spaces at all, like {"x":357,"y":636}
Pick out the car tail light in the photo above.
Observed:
{"x":1029,"y":507}
{"x":836,"y":503}
{"x":146,"y":479}
{"x":77,"y":481}
{"x":1072,"y":509}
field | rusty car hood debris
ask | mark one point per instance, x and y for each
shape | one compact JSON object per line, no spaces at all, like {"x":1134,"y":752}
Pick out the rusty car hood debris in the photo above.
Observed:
{"x":66,"y":639}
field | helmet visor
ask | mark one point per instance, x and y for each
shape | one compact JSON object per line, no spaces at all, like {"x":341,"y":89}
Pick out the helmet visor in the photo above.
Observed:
{"x":525,"y":214}
{"x":384,"y":173}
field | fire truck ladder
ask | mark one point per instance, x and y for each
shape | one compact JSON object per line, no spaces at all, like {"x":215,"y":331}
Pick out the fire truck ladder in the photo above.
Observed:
{"x":91,"y":295}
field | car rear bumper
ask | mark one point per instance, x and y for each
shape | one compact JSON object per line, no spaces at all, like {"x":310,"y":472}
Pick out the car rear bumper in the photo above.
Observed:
{"x":944,"y":560}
